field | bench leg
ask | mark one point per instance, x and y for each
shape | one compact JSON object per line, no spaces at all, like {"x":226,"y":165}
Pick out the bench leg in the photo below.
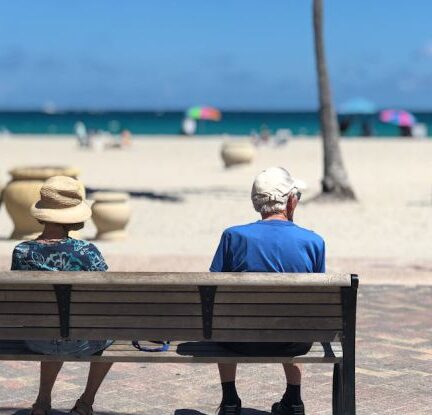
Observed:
{"x":337,"y":389}
{"x":349,"y":301}
{"x":348,"y":376}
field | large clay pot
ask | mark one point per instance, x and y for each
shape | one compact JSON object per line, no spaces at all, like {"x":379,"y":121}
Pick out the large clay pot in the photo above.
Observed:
{"x":111,"y":213}
{"x":237,"y":152}
{"x":24,"y":190}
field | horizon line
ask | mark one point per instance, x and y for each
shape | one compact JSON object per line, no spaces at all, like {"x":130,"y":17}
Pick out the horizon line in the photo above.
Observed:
{"x":54,"y":111}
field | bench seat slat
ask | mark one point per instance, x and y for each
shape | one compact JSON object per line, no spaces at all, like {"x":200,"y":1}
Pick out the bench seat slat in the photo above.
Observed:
{"x":108,"y":322}
{"x":201,"y":352}
{"x":150,"y":358}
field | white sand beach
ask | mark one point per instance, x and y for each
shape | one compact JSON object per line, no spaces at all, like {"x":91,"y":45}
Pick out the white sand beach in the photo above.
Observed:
{"x":386,"y":234}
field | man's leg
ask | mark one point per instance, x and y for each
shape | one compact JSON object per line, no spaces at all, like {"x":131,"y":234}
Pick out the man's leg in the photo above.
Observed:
{"x":231,"y":403}
{"x":227,"y":372}
{"x":291,"y":403}
{"x":293,"y":373}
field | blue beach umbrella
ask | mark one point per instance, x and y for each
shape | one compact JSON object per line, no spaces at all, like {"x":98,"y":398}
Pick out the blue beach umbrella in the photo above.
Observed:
{"x":358,"y":106}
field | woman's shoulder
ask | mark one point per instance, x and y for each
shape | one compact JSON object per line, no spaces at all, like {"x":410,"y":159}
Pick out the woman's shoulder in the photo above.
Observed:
{"x":21,"y":255}
{"x":23,"y":246}
{"x":88,"y":250}
{"x":81,"y":245}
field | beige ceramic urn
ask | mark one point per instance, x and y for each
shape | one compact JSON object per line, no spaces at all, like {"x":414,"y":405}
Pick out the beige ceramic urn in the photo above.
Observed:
{"x":22,"y":191}
{"x":237,"y":152}
{"x":111,"y":213}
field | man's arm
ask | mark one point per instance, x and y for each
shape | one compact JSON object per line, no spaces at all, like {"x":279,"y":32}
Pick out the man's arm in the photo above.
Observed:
{"x":321,"y":261}
{"x":221,"y":260}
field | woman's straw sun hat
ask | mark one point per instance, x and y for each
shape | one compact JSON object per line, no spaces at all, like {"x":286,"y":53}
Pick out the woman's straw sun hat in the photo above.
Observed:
{"x":61,"y":201}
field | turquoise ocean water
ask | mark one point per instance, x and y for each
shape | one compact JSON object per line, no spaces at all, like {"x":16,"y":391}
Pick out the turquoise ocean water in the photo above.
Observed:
{"x":140,"y":122}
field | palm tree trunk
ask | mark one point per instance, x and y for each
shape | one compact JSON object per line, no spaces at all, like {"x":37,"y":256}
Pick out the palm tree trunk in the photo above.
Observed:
{"x":335,"y":182}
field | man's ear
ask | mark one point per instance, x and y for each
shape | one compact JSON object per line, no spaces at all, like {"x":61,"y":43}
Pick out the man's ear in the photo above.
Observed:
{"x":292,"y":202}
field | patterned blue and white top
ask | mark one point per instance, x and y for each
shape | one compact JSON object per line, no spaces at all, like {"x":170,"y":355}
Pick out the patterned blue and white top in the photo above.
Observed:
{"x":63,"y":255}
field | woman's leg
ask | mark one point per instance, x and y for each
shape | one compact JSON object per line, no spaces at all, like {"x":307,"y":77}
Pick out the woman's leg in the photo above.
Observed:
{"x":97,"y":373}
{"x":48,"y":376}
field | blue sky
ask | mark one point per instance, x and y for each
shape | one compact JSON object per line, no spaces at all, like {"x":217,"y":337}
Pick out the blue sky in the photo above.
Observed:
{"x":233,"y":54}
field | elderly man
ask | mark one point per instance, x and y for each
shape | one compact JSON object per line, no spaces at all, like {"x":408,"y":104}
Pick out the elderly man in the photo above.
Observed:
{"x":273,"y":244}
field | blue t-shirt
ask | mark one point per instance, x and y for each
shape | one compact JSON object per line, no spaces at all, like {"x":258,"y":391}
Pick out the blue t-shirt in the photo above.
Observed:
{"x":269,"y":246}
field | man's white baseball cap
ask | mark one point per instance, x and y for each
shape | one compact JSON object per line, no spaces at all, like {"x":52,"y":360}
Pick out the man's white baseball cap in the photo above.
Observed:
{"x":272,"y":185}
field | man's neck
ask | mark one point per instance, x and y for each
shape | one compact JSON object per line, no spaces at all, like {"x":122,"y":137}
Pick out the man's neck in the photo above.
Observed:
{"x":277,"y":216}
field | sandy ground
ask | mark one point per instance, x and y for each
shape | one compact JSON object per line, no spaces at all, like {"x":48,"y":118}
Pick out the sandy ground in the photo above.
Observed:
{"x":385,"y":235}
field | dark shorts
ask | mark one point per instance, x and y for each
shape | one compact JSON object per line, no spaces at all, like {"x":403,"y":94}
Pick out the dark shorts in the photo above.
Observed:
{"x":267,"y":349}
{"x":77,"y":348}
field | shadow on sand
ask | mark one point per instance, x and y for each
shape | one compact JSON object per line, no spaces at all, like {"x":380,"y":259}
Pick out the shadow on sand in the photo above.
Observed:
{"x":165,"y":197}
{"x":178,"y":195}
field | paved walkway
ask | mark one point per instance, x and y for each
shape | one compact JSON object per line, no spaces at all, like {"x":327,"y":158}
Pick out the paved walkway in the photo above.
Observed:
{"x":394,"y":372}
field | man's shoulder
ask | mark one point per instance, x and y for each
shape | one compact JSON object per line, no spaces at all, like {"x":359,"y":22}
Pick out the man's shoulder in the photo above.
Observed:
{"x":239,"y":229}
{"x":310,"y":235}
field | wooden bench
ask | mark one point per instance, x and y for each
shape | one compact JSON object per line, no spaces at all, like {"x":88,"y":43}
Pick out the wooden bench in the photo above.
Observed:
{"x":193,"y":310}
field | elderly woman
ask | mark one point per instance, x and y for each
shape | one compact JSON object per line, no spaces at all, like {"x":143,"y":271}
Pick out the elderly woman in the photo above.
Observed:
{"x":62,"y":209}
{"x":272,"y":244}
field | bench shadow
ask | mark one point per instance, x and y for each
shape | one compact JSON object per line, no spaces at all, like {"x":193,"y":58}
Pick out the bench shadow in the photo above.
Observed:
{"x":26,"y":411}
{"x":185,"y":411}
{"x":244,"y":411}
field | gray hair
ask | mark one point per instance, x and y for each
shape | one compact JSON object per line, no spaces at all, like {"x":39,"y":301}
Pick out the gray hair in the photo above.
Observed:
{"x":269,"y":205}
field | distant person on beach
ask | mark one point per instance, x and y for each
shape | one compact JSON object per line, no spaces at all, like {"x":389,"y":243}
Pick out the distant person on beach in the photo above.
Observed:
{"x":344,"y":124}
{"x":405,"y":131}
{"x":272,"y":244}
{"x":264,"y":134}
{"x":366,"y":128}
{"x":62,"y":209}
{"x":82,"y":135}
{"x":126,"y":138}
